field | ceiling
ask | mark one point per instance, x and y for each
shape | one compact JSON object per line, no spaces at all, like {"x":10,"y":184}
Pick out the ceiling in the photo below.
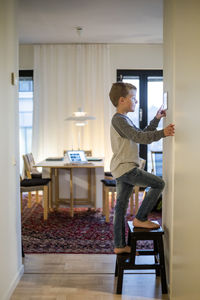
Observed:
{"x":103,"y":21}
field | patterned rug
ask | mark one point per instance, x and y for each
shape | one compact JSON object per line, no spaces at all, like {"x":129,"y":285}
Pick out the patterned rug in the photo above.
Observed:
{"x":85,"y":233}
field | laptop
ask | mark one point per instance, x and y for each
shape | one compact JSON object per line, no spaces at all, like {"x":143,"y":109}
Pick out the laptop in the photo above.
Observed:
{"x":76,"y":157}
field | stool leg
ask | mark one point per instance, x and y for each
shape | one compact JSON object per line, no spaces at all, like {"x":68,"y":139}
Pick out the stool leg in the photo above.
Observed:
{"x":162,"y":265}
{"x":116,"y":268}
{"x":155,"y":256}
{"x":133,"y":251}
{"x":129,"y":238}
{"x":120,"y":279}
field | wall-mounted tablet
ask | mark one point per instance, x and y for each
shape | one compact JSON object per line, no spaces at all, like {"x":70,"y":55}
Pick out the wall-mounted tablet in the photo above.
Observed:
{"x":165,"y":100}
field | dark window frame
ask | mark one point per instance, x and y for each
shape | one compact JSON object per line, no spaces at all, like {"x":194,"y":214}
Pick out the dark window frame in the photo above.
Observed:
{"x":143,"y":75}
{"x":26,"y":73}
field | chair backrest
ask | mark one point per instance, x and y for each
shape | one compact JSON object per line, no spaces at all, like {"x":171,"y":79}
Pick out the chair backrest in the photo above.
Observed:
{"x":157,"y":161}
{"x":29,"y":163}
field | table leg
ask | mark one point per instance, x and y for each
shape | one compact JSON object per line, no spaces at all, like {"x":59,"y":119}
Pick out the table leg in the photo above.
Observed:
{"x":94,"y":190}
{"x":57,"y":188}
{"x":46,"y":204}
{"x":50,"y":192}
{"x":89,"y":185}
{"x":71,"y":194}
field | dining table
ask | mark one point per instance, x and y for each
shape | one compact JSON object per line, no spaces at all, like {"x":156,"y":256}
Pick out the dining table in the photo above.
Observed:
{"x":74,"y":185}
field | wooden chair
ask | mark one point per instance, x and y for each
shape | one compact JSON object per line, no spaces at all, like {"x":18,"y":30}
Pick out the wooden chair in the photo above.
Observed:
{"x":32,"y":172}
{"x":36,"y":184}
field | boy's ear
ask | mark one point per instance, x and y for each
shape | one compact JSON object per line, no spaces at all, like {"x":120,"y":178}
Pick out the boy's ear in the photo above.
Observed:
{"x":121,"y":100}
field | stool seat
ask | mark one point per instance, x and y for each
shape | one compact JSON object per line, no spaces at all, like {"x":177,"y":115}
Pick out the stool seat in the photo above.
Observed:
{"x":143,"y":232}
{"x":126,"y":261}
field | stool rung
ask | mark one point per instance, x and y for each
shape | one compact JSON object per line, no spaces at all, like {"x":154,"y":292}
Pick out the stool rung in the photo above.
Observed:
{"x":129,"y":266}
{"x":147,"y":252}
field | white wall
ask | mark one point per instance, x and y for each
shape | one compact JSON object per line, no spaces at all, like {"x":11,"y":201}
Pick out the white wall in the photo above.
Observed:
{"x":26,"y":57}
{"x":137,"y":56}
{"x":182,"y":162}
{"x":10,"y":242}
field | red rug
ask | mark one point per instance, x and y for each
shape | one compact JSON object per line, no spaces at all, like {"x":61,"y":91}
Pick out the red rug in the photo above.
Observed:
{"x":85,"y":233}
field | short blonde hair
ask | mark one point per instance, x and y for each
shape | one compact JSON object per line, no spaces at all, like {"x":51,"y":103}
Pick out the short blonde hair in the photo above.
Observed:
{"x":120,"y":89}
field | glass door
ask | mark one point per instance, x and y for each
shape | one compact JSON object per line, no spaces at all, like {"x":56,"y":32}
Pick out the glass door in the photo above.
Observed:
{"x":154,"y":101}
{"x":149,"y":84}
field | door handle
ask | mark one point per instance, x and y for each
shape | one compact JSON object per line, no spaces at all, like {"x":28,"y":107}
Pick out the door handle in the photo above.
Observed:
{"x":140,"y":114}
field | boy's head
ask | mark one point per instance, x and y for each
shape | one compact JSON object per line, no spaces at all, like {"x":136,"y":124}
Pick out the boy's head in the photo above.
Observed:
{"x":120,"y":90}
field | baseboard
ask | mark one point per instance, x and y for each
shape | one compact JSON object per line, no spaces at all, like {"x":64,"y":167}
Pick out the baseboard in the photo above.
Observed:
{"x":14,"y":283}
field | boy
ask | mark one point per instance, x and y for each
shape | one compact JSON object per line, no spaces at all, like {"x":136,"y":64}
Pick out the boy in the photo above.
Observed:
{"x":125,"y":137}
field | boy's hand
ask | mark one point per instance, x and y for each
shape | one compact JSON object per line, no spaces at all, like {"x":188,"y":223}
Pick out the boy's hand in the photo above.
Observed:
{"x":161,"y":113}
{"x":169,"y":130}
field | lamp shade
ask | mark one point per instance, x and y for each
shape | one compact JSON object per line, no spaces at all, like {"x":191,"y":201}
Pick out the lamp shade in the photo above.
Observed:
{"x":79,"y":116}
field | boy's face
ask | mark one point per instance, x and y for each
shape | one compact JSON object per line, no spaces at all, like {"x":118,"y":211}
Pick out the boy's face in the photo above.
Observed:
{"x":130,"y":101}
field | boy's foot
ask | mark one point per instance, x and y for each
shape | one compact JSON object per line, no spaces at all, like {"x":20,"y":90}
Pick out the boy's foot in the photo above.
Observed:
{"x":145,"y":224}
{"x":126,"y":249}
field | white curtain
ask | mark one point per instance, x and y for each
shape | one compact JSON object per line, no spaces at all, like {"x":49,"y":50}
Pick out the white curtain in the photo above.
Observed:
{"x":67,"y":77}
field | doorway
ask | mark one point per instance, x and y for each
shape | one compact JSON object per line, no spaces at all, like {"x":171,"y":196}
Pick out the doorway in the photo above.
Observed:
{"x":149,"y":84}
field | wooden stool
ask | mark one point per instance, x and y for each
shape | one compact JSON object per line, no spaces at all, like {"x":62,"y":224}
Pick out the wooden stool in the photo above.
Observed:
{"x":126,"y":261}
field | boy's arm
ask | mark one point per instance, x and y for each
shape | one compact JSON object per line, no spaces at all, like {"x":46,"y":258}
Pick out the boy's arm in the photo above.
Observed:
{"x":126,"y":130}
{"x":152,"y":125}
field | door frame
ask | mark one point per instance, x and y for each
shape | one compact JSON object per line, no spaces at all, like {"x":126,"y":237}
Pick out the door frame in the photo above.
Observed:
{"x":143,"y":77}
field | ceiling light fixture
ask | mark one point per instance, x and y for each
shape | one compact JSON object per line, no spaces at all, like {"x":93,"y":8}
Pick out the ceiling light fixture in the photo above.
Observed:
{"x":80,"y":118}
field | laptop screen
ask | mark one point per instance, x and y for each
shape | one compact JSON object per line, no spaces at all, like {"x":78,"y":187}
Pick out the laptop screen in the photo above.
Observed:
{"x":76,"y":156}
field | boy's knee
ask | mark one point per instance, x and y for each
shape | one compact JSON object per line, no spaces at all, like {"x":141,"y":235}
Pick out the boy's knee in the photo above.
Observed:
{"x":162,"y":184}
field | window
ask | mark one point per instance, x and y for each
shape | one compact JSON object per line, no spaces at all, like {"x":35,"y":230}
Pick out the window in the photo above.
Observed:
{"x":25,"y":113}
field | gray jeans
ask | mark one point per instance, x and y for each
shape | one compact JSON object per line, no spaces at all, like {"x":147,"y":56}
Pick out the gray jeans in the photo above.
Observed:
{"x":125,"y":184}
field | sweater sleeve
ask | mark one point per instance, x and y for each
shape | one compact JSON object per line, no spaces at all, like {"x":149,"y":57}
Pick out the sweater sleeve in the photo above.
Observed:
{"x":152,"y":125}
{"x":127,"y":130}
